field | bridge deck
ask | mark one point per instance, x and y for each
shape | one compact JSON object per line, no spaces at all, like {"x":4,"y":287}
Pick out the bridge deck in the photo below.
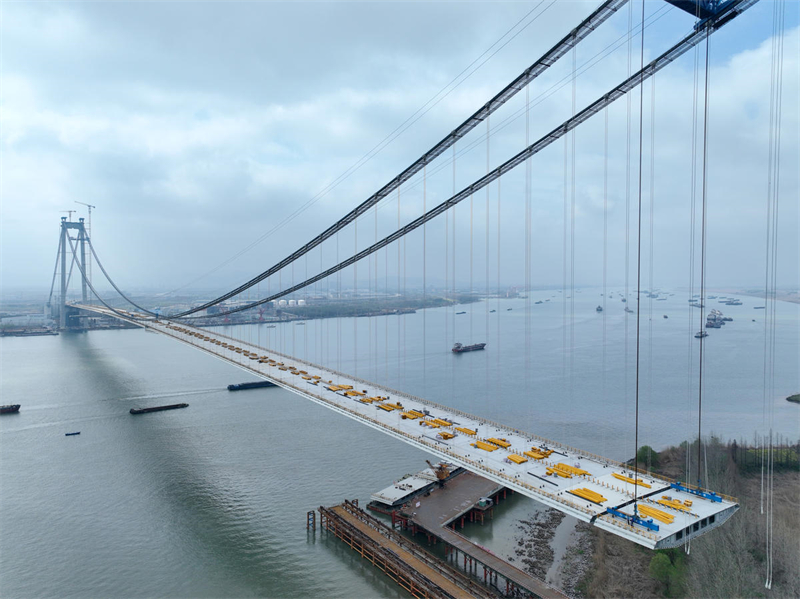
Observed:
{"x":571,"y":480}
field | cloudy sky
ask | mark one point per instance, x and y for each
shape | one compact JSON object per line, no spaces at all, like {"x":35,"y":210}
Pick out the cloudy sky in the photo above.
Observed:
{"x":198,"y":128}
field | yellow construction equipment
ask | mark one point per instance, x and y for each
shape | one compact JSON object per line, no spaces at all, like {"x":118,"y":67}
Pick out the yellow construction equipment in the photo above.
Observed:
{"x":534,"y":454}
{"x":440,"y":470}
{"x":391,"y":406}
{"x":501,"y":442}
{"x":630,"y":480}
{"x":485,"y":446}
{"x":429,"y":423}
{"x":545,"y":452}
{"x":588,"y":494}
{"x":466,"y":431}
{"x":673,"y":503}
{"x":417,"y":413}
{"x":441,"y":422}
{"x":446,"y":435}
{"x":571,"y":469}
{"x":656,"y":513}
{"x":410,"y":415}
{"x":353,"y":393}
{"x":517,"y":459}
{"x":386,"y":407}
{"x":561,"y":473}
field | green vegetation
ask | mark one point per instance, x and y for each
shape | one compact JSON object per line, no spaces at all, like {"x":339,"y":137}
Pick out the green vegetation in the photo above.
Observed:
{"x":648,"y":457}
{"x":381,"y":307}
{"x":727,"y":562}
{"x":794,"y":398}
{"x":668,"y":568}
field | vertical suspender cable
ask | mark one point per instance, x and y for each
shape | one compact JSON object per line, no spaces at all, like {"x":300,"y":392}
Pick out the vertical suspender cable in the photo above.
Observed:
{"x":453,"y":288}
{"x":703,"y":227}
{"x":628,"y":210}
{"x":471,"y":244}
{"x":572,"y":238}
{"x":486,"y":286}
{"x":424,"y":279}
{"x":497,"y":350}
{"x":692,"y":240}
{"x":355,"y":296}
{"x":638,"y":276}
{"x":605,"y":261}
{"x":400,"y":319}
{"x":652,"y":260}
{"x":528,"y":251}
{"x":375,"y":296}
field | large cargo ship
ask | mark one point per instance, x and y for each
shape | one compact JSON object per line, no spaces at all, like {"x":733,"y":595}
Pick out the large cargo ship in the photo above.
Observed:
{"x":174,"y":406}
{"x":10,"y":409}
{"x":459,"y":348}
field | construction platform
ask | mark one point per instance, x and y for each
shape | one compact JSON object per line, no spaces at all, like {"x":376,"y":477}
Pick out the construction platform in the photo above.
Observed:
{"x":393,"y":497}
{"x":655,"y":512}
{"x":464,"y":498}
{"x":417,"y":571}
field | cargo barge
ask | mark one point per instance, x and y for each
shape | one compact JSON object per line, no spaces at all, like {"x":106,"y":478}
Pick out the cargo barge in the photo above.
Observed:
{"x":174,"y":406}
{"x":10,"y":409}
{"x":459,"y":348}
{"x":254,"y":385}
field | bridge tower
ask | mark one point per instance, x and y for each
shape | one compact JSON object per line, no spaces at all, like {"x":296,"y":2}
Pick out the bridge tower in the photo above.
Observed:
{"x":64,"y":248}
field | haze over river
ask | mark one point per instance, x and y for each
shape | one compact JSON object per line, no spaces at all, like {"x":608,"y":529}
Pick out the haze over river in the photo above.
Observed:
{"x":210,"y":501}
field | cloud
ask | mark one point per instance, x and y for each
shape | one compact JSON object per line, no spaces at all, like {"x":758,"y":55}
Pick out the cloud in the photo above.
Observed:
{"x":197,"y":128}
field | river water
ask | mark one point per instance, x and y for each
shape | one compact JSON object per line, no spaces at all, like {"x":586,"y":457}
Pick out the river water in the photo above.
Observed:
{"x":211,"y":501}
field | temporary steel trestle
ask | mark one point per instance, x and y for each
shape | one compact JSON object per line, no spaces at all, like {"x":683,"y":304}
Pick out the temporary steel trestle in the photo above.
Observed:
{"x":417,"y":571}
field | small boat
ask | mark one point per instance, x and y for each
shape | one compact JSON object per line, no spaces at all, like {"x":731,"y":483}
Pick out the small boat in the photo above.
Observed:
{"x":457,"y":313}
{"x":624,"y":300}
{"x":10,"y":409}
{"x":300,"y":323}
{"x":599,"y":309}
{"x":72,"y":434}
{"x":272,"y":326}
{"x":175,"y":406}
{"x":665,"y":316}
{"x":509,"y":310}
{"x":490,"y":311}
{"x":458,"y":348}
{"x":700,"y":335}
{"x":758,"y":307}
{"x":540,"y":301}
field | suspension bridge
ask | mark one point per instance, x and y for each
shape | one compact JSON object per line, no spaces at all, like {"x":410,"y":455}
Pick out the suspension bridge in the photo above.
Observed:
{"x":649,"y":510}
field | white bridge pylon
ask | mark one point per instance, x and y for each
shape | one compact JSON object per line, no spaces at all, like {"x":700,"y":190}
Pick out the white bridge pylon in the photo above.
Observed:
{"x":570,"y":480}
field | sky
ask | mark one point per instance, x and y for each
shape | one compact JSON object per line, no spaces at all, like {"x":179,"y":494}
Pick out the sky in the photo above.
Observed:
{"x":198,"y":128}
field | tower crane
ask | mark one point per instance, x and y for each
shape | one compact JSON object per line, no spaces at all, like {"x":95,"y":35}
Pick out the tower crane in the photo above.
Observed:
{"x":89,"y":233}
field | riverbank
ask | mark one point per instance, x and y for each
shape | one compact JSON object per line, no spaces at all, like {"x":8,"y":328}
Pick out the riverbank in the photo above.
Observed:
{"x":728,"y":562}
